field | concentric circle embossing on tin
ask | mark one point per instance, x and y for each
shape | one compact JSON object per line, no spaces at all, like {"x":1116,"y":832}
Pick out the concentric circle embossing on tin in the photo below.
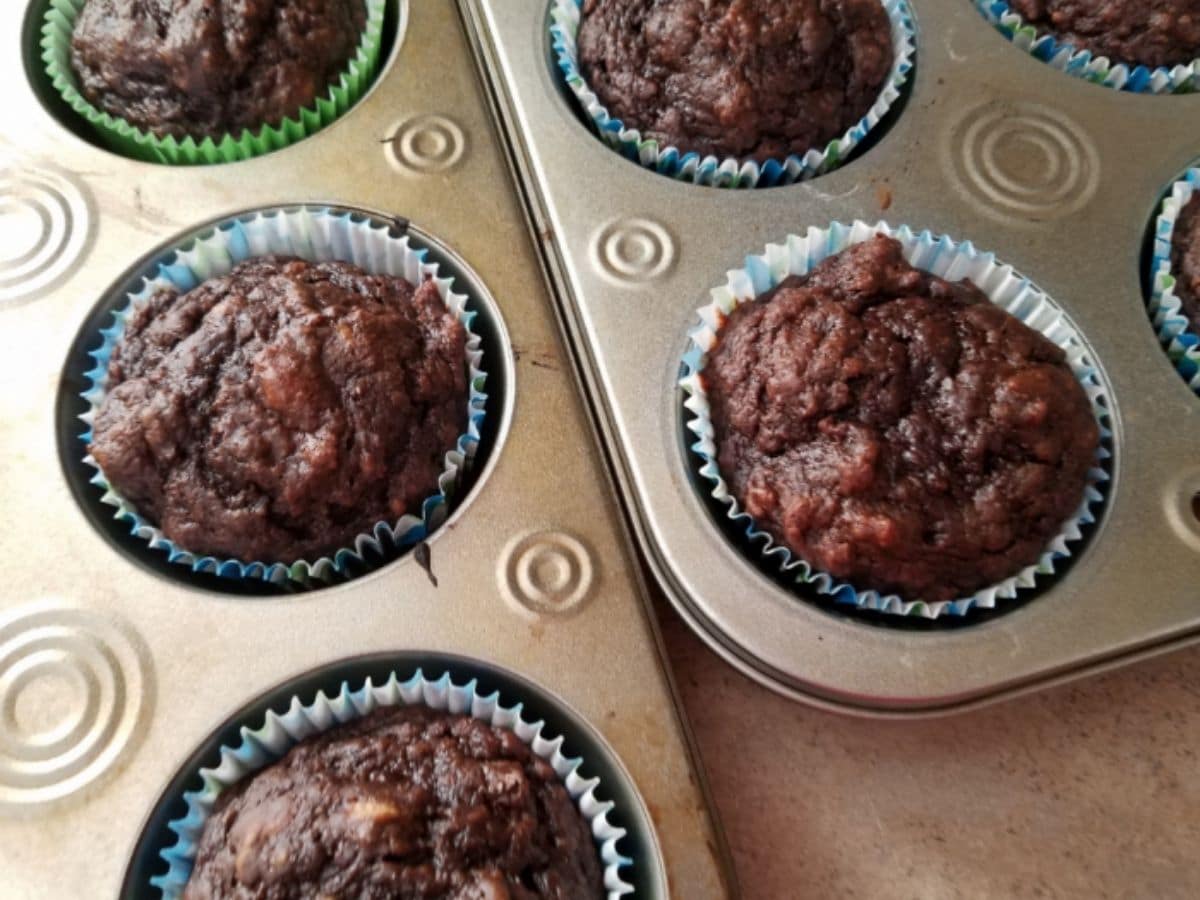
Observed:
{"x":43,"y":229}
{"x":633,"y":251}
{"x":547,"y":572}
{"x":1024,"y":162}
{"x":74,"y":687}
{"x":1181,"y":499}
{"x":427,"y":144}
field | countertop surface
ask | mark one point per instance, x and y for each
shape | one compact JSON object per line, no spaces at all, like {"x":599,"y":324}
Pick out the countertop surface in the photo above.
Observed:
{"x":1090,"y":790}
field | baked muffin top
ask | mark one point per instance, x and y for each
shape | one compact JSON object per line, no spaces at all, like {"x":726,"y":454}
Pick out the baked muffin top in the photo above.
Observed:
{"x":1146,"y":32}
{"x":1185,"y":260}
{"x":897,"y":430}
{"x":752,"y":79}
{"x":206,"y":68}
{"x":276,"y":412}
{"x":403,"y":804}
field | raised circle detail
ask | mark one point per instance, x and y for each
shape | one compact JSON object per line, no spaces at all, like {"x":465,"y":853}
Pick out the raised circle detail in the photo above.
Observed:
{"x":550,"y":572}
{"x":74,"y":686}
{"x":43,"y":229}
{"x":1023,"y":162}
{"x":427,"y":144}
{"x":633,"y":251}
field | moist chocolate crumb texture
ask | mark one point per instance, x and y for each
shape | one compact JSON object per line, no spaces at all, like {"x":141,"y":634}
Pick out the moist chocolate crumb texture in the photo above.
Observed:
{"x":1145,"y":32}
{"x":1185,"y":260}
{"x":211,"y":67}
{"x":751,"y":79}
{"x":896,"y":430}
{"x":403,"y":804}
{"x":275,"y":413}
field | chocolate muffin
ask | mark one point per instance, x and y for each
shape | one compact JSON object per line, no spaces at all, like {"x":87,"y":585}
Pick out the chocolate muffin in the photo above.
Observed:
{"x":1185,"y":260}
{"x":1144,"y":32}
{"x":206,"y":68}
{"x":407,"y":804}
{"x":742,"y":78}
{"x":275,"y":413}
{"x":896,"y":430}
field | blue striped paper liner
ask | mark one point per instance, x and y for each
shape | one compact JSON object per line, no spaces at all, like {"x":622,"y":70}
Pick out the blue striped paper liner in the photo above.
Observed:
{"x":947,"y":259}
{"x":1082,"y":63}
{"x":731,"y":172}
{"x":284,"y":729}
{"x":1175,"y":331}
{"x":315,"y":234}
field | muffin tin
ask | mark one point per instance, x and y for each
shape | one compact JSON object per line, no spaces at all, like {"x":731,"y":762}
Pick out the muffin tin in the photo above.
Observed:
{"x":120,"y":674}
{"x":1058,"y":177}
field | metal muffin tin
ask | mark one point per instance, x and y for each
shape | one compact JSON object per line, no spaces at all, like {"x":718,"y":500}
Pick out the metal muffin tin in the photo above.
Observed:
{"x":112,"y":676}
{"x":1058,"y":177}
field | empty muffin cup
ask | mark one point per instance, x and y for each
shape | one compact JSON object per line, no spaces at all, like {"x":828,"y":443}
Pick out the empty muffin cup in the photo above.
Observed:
{"x":127,"y":139}
{"x":680,"y":163}
{"x":1083,"y":63}
{"x":285,"y":727}
{"x":313,"y":234}
{"x":1176,"y":329}
{"x":948,"y":260}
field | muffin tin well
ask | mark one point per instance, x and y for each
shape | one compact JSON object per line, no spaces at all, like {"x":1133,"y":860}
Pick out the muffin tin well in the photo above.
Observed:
{"x":1078,"y":61}
{"x":119,"y":671}
{"x":117,"y":136}
{"x":1004,"y":287}
{"x":537,"y":705}
{"x":1053,"y":175}
{"x":709,"y":172}
{"x":497,"y":363}
{"x":689,"y":166}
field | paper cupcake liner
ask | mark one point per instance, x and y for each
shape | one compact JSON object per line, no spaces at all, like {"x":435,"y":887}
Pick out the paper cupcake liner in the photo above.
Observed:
{"x":317,"y":235}
{"x":685,"y":165}
{"x":123,"y":137}
{"x":1067,"y":57}
{"x":281,"y":731}
{"x":1175,"y":331}
{"x":949,"y":260}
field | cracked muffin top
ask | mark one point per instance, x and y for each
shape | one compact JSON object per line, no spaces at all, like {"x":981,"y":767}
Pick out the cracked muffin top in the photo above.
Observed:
{"x":1144,"y":32}
{"x":752,"y":79}
{"x":275,"y":413}
{"x":406,"y":803}
{"x":205,"y":68}
{"x":896,"y":430}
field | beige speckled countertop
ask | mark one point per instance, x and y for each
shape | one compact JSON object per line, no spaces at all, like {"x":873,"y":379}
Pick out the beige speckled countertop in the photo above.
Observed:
{"x":1090,"y":790}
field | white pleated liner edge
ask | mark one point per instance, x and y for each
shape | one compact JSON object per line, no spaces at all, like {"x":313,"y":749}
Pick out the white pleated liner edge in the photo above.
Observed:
{"x":1175,"y":331}
{"x":949,"y":260}
{"x":315,"y":234}
{"x":728,"y":172}
{"x":281,"y":731}
{"x":1082,"y":63}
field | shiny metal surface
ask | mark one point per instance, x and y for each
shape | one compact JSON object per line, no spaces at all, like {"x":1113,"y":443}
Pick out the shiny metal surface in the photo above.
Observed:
{"x":111,"y":675}
{"x":1058,"y":177}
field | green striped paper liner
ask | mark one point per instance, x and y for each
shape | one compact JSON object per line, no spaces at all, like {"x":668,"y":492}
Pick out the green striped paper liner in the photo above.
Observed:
{"x":124,"y":138}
